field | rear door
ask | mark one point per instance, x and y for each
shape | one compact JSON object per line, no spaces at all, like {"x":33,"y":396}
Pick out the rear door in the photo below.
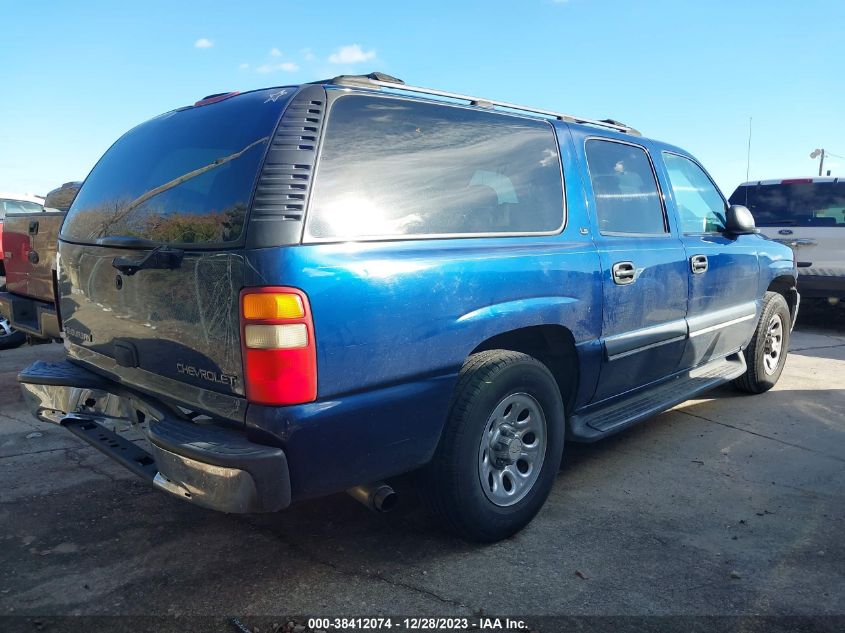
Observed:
{"x":644,"y":278}
{"x":169,"y":198}
{"x":723,"y":270}
{"x":807,"y":214}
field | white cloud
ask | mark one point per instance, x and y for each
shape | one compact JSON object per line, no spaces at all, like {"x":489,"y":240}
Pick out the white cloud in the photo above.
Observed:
{"x":244,"y":66}
{"x":288,"y":67}
{"x":351,"y":54}
{"x":307,"y":54}
{"x":203,"y":42}
{"x":275,"y":52}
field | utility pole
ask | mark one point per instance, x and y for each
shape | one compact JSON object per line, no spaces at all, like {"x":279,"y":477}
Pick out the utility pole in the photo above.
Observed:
{"x":816,"y":153}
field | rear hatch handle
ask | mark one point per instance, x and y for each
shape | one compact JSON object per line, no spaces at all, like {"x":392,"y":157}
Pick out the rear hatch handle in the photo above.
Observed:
{"x":160,"y":257}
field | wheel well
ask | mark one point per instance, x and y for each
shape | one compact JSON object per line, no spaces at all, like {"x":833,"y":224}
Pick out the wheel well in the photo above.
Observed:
{"x":552,"y":345}
{"x":786,"y":286}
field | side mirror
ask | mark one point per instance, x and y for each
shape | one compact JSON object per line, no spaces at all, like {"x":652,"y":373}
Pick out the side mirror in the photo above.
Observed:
{"x":739,"y":221}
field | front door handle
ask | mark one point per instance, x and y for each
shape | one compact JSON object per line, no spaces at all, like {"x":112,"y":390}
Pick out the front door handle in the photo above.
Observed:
{"x":698,"y":264}
{"x":624,"y":273}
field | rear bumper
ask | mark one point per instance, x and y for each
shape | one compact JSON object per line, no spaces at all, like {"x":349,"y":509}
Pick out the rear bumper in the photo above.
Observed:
{"x":34,"y":317}
{"x":821,"y":286}
{"x":210,"y":466}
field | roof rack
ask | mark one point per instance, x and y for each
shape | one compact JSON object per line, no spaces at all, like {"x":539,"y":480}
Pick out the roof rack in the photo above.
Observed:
{"x":377,"y":80}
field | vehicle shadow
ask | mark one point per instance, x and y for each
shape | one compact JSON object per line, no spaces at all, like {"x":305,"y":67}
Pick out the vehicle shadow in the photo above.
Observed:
{"x":822,"y":319}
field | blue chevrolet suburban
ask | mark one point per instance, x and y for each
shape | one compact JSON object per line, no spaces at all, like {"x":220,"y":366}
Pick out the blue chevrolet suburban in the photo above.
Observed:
{"x":301,"y":290}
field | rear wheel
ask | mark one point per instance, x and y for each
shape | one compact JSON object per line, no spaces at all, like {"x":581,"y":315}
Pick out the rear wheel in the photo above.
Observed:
{"x":766,"y":353}
{"x":501,"y":447}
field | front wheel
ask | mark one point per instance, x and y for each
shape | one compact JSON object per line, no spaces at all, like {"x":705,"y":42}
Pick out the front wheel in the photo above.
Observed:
{"x":501,"y":448}
{"x":766,"y":353}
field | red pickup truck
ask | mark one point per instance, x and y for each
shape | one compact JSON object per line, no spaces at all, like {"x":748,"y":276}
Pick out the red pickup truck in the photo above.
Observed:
{"x":30,"y":235}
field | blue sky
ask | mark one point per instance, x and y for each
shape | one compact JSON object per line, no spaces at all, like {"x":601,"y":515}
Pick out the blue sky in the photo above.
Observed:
{"x":76,"y":75}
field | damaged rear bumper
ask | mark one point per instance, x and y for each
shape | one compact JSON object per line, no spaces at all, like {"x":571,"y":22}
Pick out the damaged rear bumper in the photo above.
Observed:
{"x":214,"y":467}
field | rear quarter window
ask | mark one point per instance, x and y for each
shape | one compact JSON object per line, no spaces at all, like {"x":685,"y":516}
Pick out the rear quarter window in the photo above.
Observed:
{"x":392,"y":167}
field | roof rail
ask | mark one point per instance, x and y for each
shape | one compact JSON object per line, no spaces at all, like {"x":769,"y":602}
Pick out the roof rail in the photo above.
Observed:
{"x":377,"y":80}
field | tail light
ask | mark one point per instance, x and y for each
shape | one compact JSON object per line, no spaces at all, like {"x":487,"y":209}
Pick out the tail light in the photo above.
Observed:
{"x":279,"y":352}
{"x":1,"y":242}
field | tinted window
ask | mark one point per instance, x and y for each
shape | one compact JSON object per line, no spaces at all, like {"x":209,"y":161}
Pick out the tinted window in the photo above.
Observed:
{"x":183,"y":177}
{"x":700,"y":205}
{"x":627,"y":199}
{"x":794,"y":204}
{"x":394,"y":167}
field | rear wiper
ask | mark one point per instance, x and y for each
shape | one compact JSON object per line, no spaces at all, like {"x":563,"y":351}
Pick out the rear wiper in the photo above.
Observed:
{"x":779,"y":223}
{"x":188,"y":176}
{"x":162,"y":256}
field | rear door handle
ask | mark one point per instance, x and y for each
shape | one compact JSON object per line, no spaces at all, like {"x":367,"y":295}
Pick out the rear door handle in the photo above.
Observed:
{"x":33,"y":227}
{"x":624,"y":273}
{"x":698,"y":264}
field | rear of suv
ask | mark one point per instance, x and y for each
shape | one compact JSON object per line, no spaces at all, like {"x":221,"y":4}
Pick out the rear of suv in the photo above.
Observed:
{"x":302,"y":290}
{"x":807,"y":214}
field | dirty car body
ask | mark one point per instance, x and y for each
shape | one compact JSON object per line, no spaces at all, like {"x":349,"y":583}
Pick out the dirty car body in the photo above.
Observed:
{"x":260,"y":301}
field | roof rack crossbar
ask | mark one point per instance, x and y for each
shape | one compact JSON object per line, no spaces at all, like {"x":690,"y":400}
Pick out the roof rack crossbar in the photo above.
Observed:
{"x":368,"y":81}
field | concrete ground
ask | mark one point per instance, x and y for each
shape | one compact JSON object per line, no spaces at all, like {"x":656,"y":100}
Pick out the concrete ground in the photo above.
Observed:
{"x":727,"y":505}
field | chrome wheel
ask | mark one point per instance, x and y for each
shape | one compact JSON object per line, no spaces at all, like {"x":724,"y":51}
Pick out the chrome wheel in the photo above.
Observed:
{"x":5,"y":328}
{"x":512,"y":449}
{"x":773,"y":346}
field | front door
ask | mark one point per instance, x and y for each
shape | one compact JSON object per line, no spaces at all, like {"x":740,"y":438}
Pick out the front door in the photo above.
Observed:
{"x":724,"y":294}
{"x":644,"y":278}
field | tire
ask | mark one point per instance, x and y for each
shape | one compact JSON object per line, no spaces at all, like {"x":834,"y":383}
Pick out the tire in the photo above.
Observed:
{"x":766,"y":353}
{"x":10,"y":338}
{"x":500,"y":449}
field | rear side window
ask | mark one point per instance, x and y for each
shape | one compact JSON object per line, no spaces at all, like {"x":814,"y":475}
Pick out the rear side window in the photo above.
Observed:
{"x":794,"y":203}
{"x":394,"y":167}
{"x":185,"y":177}
{"x":627,"y":198}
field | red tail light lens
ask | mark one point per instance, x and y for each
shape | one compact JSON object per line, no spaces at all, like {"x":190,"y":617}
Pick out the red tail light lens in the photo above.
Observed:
{"x":279,"y":352}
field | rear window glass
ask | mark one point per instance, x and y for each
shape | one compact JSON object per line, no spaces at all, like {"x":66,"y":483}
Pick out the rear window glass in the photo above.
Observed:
{"x":794,"y":204}
{"x":395,"y":167}
{"x":10,"y":207}
{"x":184,"y":177}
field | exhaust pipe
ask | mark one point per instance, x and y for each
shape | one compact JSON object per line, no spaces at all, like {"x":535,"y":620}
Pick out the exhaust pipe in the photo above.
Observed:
{"x":378,"y":497}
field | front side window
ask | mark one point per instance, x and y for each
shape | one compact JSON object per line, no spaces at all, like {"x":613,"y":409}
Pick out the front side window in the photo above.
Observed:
{"x":394,"y":167}
{"x":625,"y":188}
{"x":700,"y":205}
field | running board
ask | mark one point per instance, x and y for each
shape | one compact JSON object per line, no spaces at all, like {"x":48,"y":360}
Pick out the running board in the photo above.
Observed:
{"x":595,"y":424}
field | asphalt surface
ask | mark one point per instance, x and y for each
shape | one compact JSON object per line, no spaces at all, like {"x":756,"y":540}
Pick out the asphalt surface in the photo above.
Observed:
{"x":727,"y":505}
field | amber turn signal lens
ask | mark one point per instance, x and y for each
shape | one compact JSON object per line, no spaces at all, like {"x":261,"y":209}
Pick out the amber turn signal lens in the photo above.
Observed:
{"x":271,"y":305}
